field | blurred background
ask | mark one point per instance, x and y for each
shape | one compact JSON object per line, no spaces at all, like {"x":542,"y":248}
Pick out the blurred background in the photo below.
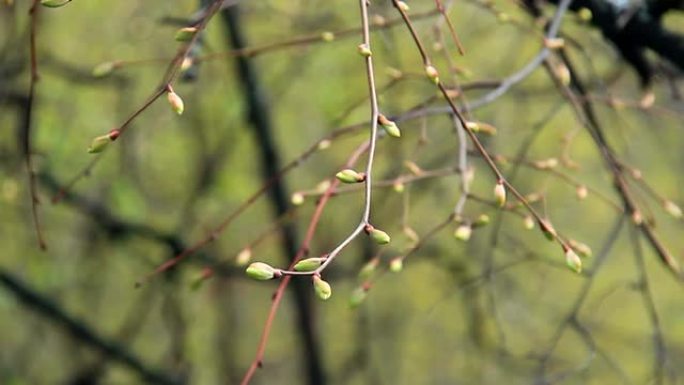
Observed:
{"x":271,"y":84}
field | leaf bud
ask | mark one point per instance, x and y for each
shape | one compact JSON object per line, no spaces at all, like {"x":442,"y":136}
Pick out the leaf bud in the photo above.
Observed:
{"x":364,"y":50}
{"x":185,"y":34}
{"x":389,"y":126}
{"x":309,"y":264}
{"x":672,"y":209}
{"x":321,"y":288}
{"x":396,"y":264}
{"x":243,"y":257}
{"x":350,"y":176}
{"x":261,"y":271}
{"x":572,"y":260}
{"x":500,"y":193}
{"x":175,"y":101}
{"x":432,"y":74}
{"x":378,"y":236}
{"x":463,"y":232}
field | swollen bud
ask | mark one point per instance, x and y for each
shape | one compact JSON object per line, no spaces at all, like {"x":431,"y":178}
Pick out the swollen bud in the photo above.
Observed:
{"x":364,"y":50}
{"x":175,"y":101}
{"x":582,"y":192}
{"x":672,"y":209}
{"x":528,"y":222}
{"x":500,"y":194}
{"x":297,"y":199}
{"x":548,"y":230}
{"x":261,"y":271}
{"x":482,"y":220}
{"x":321,"y":288}
{"x":463,"y":232}
{"x":584,"y":14}
{"x":327,"y":36}
{"x":309,"y":264}
{"x":369,"y":268}
{"x":378,"y":236}
{"x":432,"y":74}
{"x":396,"y":264}
{"x":554,"y":43}
{"x":583,"y":249}
{"x":243,"y":257}
{"x":358,"y":296}
{"x":403,"y":6}
{"x":104,"y":69}
{"x":185,"y":34}
{"x":389,"y":126}
{"x":573,"y":261}
{"x":101,"y":142}
{"x":350,"y":176}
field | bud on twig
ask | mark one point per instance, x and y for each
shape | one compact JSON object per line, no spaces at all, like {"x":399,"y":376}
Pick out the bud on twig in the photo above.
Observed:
{"x":482,"y":220}
{"x":350,"y":176}
{"x":572,"y":260}
{"x":175,"y":101}
{"x":463,"y":232}
{"x":364,"y":50}
{"x":328,"y":36}
{"x":396,"y":264}
{"x":261,"y":271}
{"x":378,"y":236}
{"x":528,"y":222}
{"x":548,"y":230}
{"x":672,"y":209}
{"x":403,"y":6}
{"x":104,"y":69}
{"x":185,"y":34}
{"x":389,"y":126}
{"x":582,"y":192}
{"x":432,"y":74}
{"x":369,"y":268}
{"x":243,"y":257}
{"x":321,"y":288}
{"x":358,"y":296}
{"x":101,"y":142}
{"x":309,"y":264}
{"x":297,"y":199}
{"x":500,"y":193}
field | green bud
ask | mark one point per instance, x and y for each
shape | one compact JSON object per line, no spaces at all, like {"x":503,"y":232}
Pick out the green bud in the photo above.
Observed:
{"x":396,"y":264}
{"x":176,"y":102}
{"x":432,"y":74}
{"x":185,"y":34}
{"x":500,"y":194}
{"x":103,"y":69}
{"x":368,"y":269}
{"x":243,"y":257}
{"x":583,"y":249}
{"x":548,"y":230}
{"x":380,"y":237}
{"x":403,"y":6}
{"x":389,"y":126}
{"x":54,"y":3}
{"x":364,"y":50}
{"x":528,"y":222}
{"x":309,"y":264}
{"x":463,"y":233}
{"x":321,"y":288}
{"x":398,"y":187}
{"x":261,"y":271}
{"x":350,"y":176}
{"x":328,"y":36}
{"x":482,"y":220}
{"x":297,"y":199}
{"x":573,"y":261}
{"x":358,"y":296}
{"x":99,"y":144}
{"x":672,"y":209}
